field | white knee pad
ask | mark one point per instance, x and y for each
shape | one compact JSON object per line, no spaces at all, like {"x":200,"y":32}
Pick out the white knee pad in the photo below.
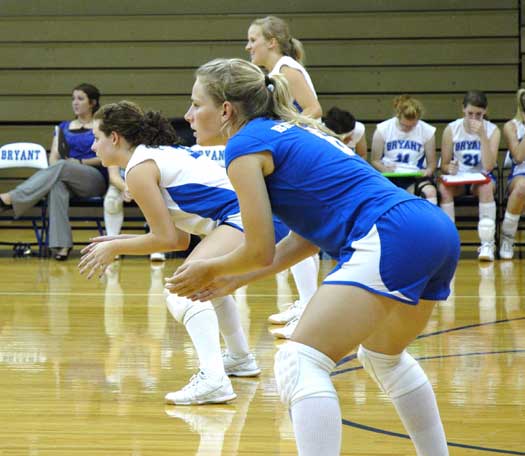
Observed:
{"x":396,"y":375}
{"x":486,"y":229}
{"x":302,"y":371}
{"x":182,"y":309}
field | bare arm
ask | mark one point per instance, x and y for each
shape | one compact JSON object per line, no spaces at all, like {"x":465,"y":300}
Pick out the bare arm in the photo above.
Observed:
{"x":489,"y":146}
{"x":361,"y":147}
{"x":143,"y":182}
{"x":54,"y":156}
{"x":376,"y":153}
{"x":448,"y":165}
{"x":247,"y":176}
{"x":302,"y":93}
{"x":430,"y":155}
{"x":516,"y":147}
{"x":292,"y":249}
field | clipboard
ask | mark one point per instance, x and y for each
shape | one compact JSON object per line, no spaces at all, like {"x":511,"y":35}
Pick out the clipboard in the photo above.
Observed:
{"x":464,"y":179}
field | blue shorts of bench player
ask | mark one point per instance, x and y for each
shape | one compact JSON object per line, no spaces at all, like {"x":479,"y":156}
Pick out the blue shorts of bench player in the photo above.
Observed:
{"x":395,"y":258}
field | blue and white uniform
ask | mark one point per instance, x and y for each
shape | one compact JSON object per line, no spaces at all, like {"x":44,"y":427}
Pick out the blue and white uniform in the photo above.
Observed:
{"x":196,"y":191}
{"x":288,"y":61}
{"x":466,"y":146}
{"x":518,"y":169}
{"x":405,"y":150}
{"x":386,"y":240}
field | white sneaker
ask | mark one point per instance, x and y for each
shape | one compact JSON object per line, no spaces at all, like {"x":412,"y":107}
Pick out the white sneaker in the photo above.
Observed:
{"x":245,"y":366}
{"x":287,"y":330}
{"x":203,"y":390}
{"x":157,"y":256}
{"x":281,"y":318}
{"x":506,"y":248}
{"x":486,"y":251}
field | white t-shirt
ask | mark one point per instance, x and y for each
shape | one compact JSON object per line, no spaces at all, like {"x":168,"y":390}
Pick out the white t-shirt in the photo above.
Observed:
{"x":286,"y":60}
{"x":405,"y":150}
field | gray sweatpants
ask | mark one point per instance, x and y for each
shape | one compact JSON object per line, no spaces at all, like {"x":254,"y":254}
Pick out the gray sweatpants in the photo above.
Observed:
{"x":60,"y":181}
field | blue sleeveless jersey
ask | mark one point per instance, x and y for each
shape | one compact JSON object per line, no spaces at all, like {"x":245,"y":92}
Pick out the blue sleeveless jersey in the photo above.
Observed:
{"x":319,"y":187}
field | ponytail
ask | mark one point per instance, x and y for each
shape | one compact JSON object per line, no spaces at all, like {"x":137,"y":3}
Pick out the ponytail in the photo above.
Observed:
{"x":136,"y":126}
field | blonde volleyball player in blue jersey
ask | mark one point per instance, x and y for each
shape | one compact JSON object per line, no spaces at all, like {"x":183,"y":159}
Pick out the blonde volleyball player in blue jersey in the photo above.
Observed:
{"x":470,"y":145}
{"x":178,"y":193}
{"x":380,"y":295}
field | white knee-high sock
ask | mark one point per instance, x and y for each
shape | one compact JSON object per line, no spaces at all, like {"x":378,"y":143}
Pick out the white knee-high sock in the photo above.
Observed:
{"x":203,"y":329}
{"x":487,"y":210}
{"x":420,"y":415}
{"x":113,"y":222}
{"x":305,"y":277}
{"x":448,"y":208}
{"x":230,"y":325}
{"x":317,"y":426}
{"x":510,"y":224}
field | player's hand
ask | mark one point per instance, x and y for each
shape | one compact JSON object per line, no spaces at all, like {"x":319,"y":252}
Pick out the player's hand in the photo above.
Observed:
{"x":453,"y":167}
{"x":96,"y":258}
{"x":476,"y":126}
{"x":191,"y":280}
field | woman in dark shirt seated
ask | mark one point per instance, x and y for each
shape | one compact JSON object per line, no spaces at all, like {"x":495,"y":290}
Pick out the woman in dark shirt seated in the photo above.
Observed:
{"x":74,"y":171}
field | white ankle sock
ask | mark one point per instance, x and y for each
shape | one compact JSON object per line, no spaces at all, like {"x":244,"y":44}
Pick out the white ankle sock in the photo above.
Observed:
{"x":419,"y":413}
{"x":230,"y":325}
{"x":317,"y":426}
{"x":203,"y":329}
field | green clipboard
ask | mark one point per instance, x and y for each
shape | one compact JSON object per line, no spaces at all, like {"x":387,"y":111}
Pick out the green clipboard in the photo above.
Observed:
{"x":404,"y":174}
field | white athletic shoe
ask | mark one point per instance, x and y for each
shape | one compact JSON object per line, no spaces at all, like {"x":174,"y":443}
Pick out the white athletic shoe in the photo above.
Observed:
{"x":506,"y":248}
{"x":245,"y":366}
{"x":486,"y":251}
{"x":287,"y":330}
{"x":157,"y":256}
{"x":203,"y":390}
{"x":294,"y":311}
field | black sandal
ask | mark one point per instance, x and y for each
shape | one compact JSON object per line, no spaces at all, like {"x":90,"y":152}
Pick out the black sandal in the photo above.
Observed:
{"x":62,"y":257}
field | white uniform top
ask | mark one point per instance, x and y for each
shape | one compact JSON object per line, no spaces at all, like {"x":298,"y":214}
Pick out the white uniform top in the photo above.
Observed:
{"x":286,"y":60}
{"x":357,"y":134}
{"x":520,"y":133}
{"x":196,"y":190}
{"x":214,"y":153}
{"x":405,"y":150}
{"x":467,"y":146}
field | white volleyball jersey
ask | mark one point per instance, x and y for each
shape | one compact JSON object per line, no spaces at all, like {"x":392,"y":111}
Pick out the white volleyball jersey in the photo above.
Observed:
{"x":214,"y":153}
{"x":466,"y":147}
{"x":517,"y":168}
{"x":405,"y":150}
{"x":286,"y":60}
{"x":357,"y":134}
{"x":196,"y":190}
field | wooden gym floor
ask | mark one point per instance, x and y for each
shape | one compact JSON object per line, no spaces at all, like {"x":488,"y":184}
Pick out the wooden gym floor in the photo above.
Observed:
{"x":84,"y":366}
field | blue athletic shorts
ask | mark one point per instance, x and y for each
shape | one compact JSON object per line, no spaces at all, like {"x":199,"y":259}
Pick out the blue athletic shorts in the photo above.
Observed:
{"x":410,"y":253}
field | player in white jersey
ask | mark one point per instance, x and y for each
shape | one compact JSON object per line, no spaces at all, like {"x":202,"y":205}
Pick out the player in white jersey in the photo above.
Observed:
{"x":382,"y":291}
{"x":349,"y":131}
{"x":406,"y":144}
{"x":470,"y":144}
{"x":514,"y":132}
{"x":272,"y":47}
{"x":178,"y":194}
